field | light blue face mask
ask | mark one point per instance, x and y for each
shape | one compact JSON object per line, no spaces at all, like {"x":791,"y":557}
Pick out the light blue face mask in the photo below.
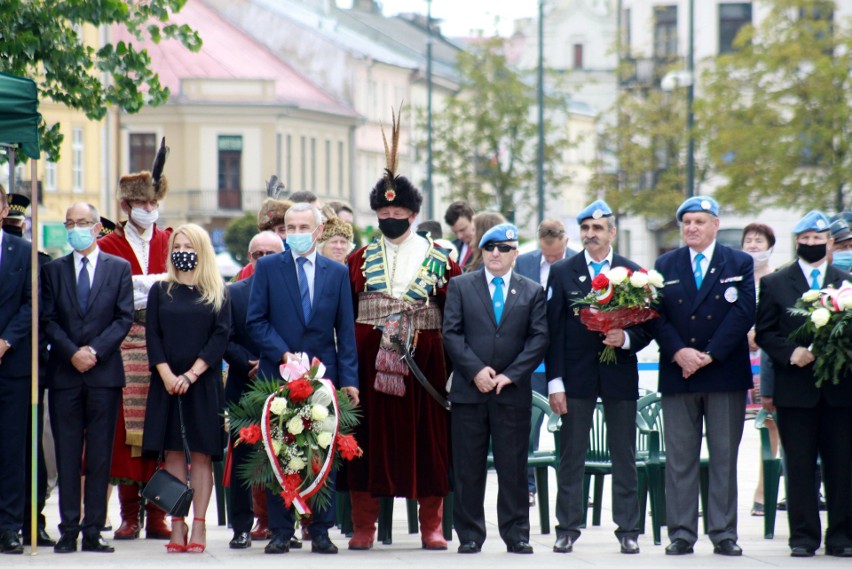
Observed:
{"x":300,"y":243}
{"x":80,"y":238}
{"x":842,"y":260}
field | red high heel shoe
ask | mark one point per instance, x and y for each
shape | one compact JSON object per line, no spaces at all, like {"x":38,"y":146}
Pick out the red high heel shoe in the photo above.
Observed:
{"x":173,"y":547}
{"x":197,"y":547}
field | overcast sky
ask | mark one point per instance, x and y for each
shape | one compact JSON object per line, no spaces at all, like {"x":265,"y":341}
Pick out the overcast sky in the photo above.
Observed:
{"x":461,"y":16}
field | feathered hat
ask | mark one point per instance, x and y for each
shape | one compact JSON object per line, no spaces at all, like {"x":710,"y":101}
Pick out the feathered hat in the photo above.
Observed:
{"x":391,"y":189}
{"x":273,"y":209}
{"x":146,"y":186}
{"x":333,"y":227}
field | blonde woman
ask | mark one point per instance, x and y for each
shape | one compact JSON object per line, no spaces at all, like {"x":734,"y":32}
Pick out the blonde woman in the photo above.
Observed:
{"x":187,"y":328}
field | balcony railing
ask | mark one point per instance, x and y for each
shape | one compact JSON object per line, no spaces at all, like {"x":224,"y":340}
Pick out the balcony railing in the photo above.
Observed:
{"x":215,"y":203}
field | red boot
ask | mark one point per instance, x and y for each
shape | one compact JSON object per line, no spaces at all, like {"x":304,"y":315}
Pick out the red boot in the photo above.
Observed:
{"x":431,"y":516}
{"x":129,"y":501}
{"x":155,"y":523}
{"x":365,"y":512}
{"x":260,"y":531}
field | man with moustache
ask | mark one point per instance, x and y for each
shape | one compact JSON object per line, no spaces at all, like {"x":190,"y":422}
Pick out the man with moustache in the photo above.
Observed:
{"x":577,"y":379}
{"x":812,"y":421}
{"x":706,"y":310}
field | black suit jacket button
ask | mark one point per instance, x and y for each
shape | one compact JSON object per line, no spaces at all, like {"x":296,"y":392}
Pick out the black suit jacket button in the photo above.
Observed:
{"x":497,"y":335}
{"x":692,"y":317}
{"x":718,"y":297}
{"x":680,"y":301}
{"x":709,"y":317}
{"x":692,"y":340}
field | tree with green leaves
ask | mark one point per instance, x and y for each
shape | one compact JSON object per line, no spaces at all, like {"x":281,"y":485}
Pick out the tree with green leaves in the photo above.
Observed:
{"x":238,"y":235}
{"x":42,"y":40}
{"x":485,"y":137}
{"x":779,"y":110}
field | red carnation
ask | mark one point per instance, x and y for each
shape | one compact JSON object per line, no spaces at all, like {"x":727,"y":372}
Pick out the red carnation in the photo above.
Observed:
{"x":348,"y":447}
{"x":300,"y":390}
{"x":600,"y":282}
{"x":290,"y":488}
{"x":250,"y":434}
{"x":316,"y":464}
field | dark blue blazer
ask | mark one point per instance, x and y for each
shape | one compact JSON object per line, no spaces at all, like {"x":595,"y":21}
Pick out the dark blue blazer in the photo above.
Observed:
{"x":16,"y":306}
{"x":574,"y":352}
{"x":714,"y":319}
{"x":529,"y":264}
{"x":276,"y":323}
{"x":241,"y":346}
{"x":103,"y":326}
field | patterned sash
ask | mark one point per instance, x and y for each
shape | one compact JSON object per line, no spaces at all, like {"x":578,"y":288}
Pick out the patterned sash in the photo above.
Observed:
{"x":134,"y":356}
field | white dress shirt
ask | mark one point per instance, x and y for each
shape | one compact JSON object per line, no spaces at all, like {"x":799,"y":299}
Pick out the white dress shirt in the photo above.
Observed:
{"x":310,"y":270}
{"x":807,"y":269}
{"x":705,"y":262}
{"x":492,"y":287}
{"x":90,"y":266}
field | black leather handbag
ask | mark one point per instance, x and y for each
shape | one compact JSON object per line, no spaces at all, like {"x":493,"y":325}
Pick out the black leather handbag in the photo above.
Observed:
{"x":168,"y":493}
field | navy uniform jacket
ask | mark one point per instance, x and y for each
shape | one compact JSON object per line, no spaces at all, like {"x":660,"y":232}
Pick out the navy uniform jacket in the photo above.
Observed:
{"x":241,"y":346}
{"x":714,"y":319}
{"x":103,"y":326}
{"x":276,"y":323}
{"x":575,"y":351}
{"x":794,"y":386}
{"x":529,"y":264}
{"x":16,"y":306}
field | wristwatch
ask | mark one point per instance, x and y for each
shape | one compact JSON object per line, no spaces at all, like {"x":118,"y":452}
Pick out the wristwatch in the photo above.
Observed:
{"x":92,"y":350}
{"x":8,"y":345}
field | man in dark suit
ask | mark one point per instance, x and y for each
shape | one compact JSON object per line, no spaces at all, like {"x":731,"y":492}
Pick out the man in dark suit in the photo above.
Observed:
{"x":459,"y":216}
{"x":495,"y":333}
{"x":576,"y":379}
{"x":706,"y":311}
{"x":87,"y":303}
{"x":301,"y":302}
{"x":811,"y":421}
{"x":15,"y":374}
{"x":243,"y":359}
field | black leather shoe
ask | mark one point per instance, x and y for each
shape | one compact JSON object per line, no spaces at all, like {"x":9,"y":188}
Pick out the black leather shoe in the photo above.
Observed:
{"x":728,"y":547}
{"x":564,"y":544}
{"x":67,"y":543}
{"x":322,"y":544}
{"x":42,"y":538}
{"x":242,"y":540}
{"x":295,"y":543}
{"x":469,"y":547}
{"x":845,"y":551}
{"x":9,"y":543}
{"x":278,"y":544}
{"x":629,"y":545}
{"x":679,"y":547}
{"x":519,"y":547}
{"x":801,"y":551}
{"x":97,"y":544}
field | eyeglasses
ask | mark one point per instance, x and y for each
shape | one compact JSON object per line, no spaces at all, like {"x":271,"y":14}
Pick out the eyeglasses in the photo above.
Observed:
{"x":258,"y":254}
{"x":502,"y":247}
{"x":69,"y":225}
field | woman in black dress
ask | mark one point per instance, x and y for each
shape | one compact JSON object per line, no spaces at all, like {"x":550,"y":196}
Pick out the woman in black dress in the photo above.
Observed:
{"x":187,"y":329}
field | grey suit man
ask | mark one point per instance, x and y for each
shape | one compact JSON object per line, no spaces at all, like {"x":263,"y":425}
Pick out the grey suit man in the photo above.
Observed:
{"x":494,"y":345}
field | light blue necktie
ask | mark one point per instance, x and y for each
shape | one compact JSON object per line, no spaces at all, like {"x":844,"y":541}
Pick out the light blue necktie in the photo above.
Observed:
{"x":598,"y":267}
{"x":497,"y":299}
{"x":815,"y":279}
{"x":304,"y":291}
{"x":699,"y":274}
{"x":84,"y":286}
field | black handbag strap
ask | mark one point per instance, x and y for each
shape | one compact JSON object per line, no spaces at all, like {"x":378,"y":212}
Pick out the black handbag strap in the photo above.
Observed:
{"x":186,"y":454}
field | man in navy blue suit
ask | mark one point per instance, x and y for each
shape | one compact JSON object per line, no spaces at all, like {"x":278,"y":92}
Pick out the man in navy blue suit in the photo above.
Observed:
{"x":706,"y":311}
{"x":302,"y":302}
{"x":15,"y":373}
{"x":243,"y":360}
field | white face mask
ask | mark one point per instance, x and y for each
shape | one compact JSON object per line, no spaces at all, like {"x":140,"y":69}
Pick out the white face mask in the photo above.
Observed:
{"x":761,"y":258}
{"x":144,"y":218}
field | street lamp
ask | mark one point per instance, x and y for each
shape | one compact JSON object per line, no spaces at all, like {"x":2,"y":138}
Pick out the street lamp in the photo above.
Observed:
{"x":429,"y":193}
{"x":540,"y":161}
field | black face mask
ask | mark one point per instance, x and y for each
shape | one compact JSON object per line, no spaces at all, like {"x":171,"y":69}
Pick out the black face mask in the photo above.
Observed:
{"x":185,"y":260}
{"x":811,"y":253}
{"x":393,"y":228}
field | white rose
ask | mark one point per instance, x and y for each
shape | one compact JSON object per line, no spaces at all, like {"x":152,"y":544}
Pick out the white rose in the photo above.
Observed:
{"x":319,"y":413}
{"x":820,"y":317}
{"x":295,"y":425}
{"x":638,"y":280}
{"x":329,"y":425}
{"x":655,"y":279}
{"x":296,"y":464}
{"x":276,"y":447}
{"x":810,"y":295}
{"x":321,"y":397}
{"x":324,"y":439}
{"x":617,"y":275}
{"x":278,"y":406}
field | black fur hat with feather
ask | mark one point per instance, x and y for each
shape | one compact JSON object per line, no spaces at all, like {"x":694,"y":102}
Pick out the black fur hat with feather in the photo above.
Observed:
{"x":392,"y":189}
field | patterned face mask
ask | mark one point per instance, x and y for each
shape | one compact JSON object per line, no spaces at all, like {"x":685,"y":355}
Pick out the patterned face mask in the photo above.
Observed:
{"x":185,"y":260}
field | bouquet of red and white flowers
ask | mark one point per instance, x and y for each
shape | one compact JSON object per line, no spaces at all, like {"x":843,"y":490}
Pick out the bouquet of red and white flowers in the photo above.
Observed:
{"x":301,"y":430}
{"x":827,"y":331}
{"x":619,"y":299}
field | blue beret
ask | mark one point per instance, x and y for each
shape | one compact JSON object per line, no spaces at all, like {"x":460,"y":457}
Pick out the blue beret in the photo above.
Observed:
{"x":596,"y":210}
{"x":498,"y":233}
{"x":813,"y":221}
{"x":703,"y":204}
{"x":839,"y":228}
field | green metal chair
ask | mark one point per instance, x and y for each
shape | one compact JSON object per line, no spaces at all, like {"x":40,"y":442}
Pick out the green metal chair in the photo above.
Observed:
{"x":771,"y":473}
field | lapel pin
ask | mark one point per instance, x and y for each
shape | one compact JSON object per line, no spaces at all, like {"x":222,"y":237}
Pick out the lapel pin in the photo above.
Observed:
{"x":576,"y":311}
{"x":582,"y":278}
{"x":513,"y":291}
{"x":713,"y":270}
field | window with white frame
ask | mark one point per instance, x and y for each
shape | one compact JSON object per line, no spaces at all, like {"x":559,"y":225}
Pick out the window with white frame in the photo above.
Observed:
{"x":77,"y":160}
{"x":50,"y":184}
